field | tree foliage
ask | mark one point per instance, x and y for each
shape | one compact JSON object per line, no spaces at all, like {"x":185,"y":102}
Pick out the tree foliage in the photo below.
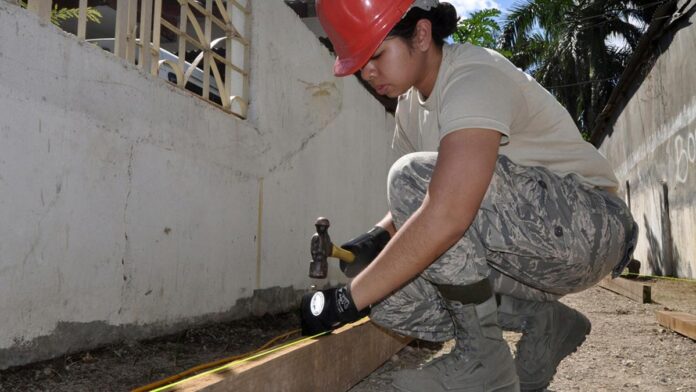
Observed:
{"x":567,"y":46}
{"x":480,"y":28}
{"x":59,"y":15}
{"x":62,"y":14}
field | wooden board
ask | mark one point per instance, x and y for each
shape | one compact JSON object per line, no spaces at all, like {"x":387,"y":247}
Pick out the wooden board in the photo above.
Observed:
{"x":683,"y":323}
{"x":634,"y":290}
{"x":330,"y":363}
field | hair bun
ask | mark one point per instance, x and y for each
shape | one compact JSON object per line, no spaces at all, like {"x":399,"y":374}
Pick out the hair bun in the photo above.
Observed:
{"x":445,"y":20}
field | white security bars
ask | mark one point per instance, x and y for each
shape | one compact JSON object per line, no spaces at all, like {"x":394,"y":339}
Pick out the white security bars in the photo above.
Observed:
{"x":215,"y":29}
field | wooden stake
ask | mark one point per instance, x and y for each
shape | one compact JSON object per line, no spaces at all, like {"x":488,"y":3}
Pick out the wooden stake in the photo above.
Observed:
{"x":332,"y":363}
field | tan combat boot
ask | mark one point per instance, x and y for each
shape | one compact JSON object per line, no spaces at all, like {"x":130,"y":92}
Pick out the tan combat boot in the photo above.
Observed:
{"x":550,"y":332}
{"x":480,"y":361}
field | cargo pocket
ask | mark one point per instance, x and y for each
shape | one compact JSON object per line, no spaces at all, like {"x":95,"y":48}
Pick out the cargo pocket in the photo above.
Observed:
{"x":524,"y":219}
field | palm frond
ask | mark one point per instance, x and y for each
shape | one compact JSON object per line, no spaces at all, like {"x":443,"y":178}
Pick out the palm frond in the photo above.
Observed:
{"x":62,"y":14}
{"x":565,"y":45}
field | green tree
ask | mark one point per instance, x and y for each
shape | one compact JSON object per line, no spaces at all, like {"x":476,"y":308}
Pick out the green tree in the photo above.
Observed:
{"x":567,"y":46}
{"x":480,"y":28}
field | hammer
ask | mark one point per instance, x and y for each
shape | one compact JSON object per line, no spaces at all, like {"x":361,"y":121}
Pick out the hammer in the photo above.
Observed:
{"x":321,"y":247}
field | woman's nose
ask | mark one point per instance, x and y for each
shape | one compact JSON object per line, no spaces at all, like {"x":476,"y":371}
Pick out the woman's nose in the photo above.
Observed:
{"x":367,"y":72}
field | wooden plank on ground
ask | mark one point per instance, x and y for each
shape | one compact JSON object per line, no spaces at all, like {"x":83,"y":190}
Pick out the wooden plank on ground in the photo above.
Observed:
{"x":683,"y":323}
{"x":634,"y":290}
{"x":331,"y":363}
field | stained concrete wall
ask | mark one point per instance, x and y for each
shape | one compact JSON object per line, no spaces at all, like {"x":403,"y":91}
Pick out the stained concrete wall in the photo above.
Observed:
{"x":131,"y":208}
{"x":652,"y":145}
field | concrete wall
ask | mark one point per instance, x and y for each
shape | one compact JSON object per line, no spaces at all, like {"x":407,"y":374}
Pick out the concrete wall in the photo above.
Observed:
{"x":131,"y":208}
{"x":653,"y":148}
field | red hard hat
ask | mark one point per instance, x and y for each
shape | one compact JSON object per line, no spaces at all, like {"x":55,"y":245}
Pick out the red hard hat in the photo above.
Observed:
{"x":356,"y":28}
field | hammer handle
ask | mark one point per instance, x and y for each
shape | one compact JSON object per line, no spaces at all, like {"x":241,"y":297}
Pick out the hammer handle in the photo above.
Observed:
{"x":340,"y":253}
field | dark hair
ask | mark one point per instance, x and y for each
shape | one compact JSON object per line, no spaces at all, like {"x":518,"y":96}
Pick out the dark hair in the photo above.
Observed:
{"x":443,"y":19}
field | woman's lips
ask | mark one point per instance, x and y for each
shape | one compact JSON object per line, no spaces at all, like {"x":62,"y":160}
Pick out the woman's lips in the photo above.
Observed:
{"x":382,"y":89}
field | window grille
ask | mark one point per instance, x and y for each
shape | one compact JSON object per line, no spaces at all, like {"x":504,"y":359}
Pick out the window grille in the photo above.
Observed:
{"x":212,"y":32}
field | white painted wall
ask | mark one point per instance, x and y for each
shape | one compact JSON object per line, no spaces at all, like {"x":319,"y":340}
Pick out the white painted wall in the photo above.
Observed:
{"x":328,"y":145}
{"x":130,"y":208}
{"x":653,"y":149}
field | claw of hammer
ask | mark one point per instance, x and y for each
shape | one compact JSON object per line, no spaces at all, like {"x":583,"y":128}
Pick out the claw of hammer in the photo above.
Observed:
{"x":321,"y":248}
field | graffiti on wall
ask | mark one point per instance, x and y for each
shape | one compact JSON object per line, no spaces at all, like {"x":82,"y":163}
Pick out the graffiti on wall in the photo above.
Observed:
{"x":682,"y":152}
{"x":684,"y":155}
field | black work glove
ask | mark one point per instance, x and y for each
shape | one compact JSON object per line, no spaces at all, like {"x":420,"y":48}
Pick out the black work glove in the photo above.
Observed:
{"x":365,"y":248}
{"x":327,"y":310}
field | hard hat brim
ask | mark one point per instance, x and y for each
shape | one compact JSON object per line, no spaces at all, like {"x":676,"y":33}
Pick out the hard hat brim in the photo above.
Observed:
{"x":348,"y":59}
{"x":350,"y":65}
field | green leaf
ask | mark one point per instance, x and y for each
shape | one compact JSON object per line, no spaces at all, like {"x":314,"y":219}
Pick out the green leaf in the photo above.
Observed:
{"x":61,"y":14}
{"x":480,"y":28}
{"x":563,"y":44}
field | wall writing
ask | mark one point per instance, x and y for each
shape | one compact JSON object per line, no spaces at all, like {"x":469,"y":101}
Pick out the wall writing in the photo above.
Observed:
{"x":684,"y":155}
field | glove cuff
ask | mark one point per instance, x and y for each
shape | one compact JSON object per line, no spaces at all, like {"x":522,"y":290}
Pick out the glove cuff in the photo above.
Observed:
{"x":347,"y":312}
{"x":381,"y":237}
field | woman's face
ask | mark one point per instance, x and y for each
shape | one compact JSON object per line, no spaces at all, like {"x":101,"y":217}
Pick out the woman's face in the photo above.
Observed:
{"x":394,"y":67}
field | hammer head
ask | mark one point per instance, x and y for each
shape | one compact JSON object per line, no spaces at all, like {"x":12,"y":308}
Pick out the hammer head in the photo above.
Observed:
{"x":320,"y":249}
{"x":318,"y":269}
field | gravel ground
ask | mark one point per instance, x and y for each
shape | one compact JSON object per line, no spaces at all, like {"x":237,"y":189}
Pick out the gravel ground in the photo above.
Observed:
{"x":626,"y":351}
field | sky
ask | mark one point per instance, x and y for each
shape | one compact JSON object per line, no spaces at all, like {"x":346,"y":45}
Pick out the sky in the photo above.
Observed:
{"x":464,"y":7}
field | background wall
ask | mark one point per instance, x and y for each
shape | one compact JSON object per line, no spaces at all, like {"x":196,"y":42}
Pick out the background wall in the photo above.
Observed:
{"x":130,"y":208}
{"x":652,"y":145}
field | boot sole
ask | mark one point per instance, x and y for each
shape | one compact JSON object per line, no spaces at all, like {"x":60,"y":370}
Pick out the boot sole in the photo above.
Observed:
{"x":511,"y":387}
{"x":581,"y":330}
{"x":511,"y":383}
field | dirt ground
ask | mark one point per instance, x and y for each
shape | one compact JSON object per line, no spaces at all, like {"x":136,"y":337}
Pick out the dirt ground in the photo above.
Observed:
{"x":130,"y":365}
{"x":626,"y":351}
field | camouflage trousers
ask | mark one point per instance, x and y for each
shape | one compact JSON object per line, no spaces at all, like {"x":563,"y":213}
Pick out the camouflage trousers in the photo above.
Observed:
{"x":537,"y":236}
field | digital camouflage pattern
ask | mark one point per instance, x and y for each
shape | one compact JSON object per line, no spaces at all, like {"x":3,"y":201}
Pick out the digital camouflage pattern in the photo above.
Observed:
{"x":537,"y":236}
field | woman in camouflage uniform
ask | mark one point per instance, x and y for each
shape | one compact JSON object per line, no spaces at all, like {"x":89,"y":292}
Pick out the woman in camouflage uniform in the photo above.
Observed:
{"x":498,"y":209}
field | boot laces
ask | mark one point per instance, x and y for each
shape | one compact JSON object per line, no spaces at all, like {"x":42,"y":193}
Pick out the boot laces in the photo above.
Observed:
{"x":451,"y":363}
{"x":458,"y":359}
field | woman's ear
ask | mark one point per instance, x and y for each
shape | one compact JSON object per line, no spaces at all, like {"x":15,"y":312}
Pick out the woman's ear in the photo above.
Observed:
{"x":423,"y":37}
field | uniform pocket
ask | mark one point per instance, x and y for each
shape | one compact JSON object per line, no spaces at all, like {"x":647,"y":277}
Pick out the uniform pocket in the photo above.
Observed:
{"x":524,"y":215}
